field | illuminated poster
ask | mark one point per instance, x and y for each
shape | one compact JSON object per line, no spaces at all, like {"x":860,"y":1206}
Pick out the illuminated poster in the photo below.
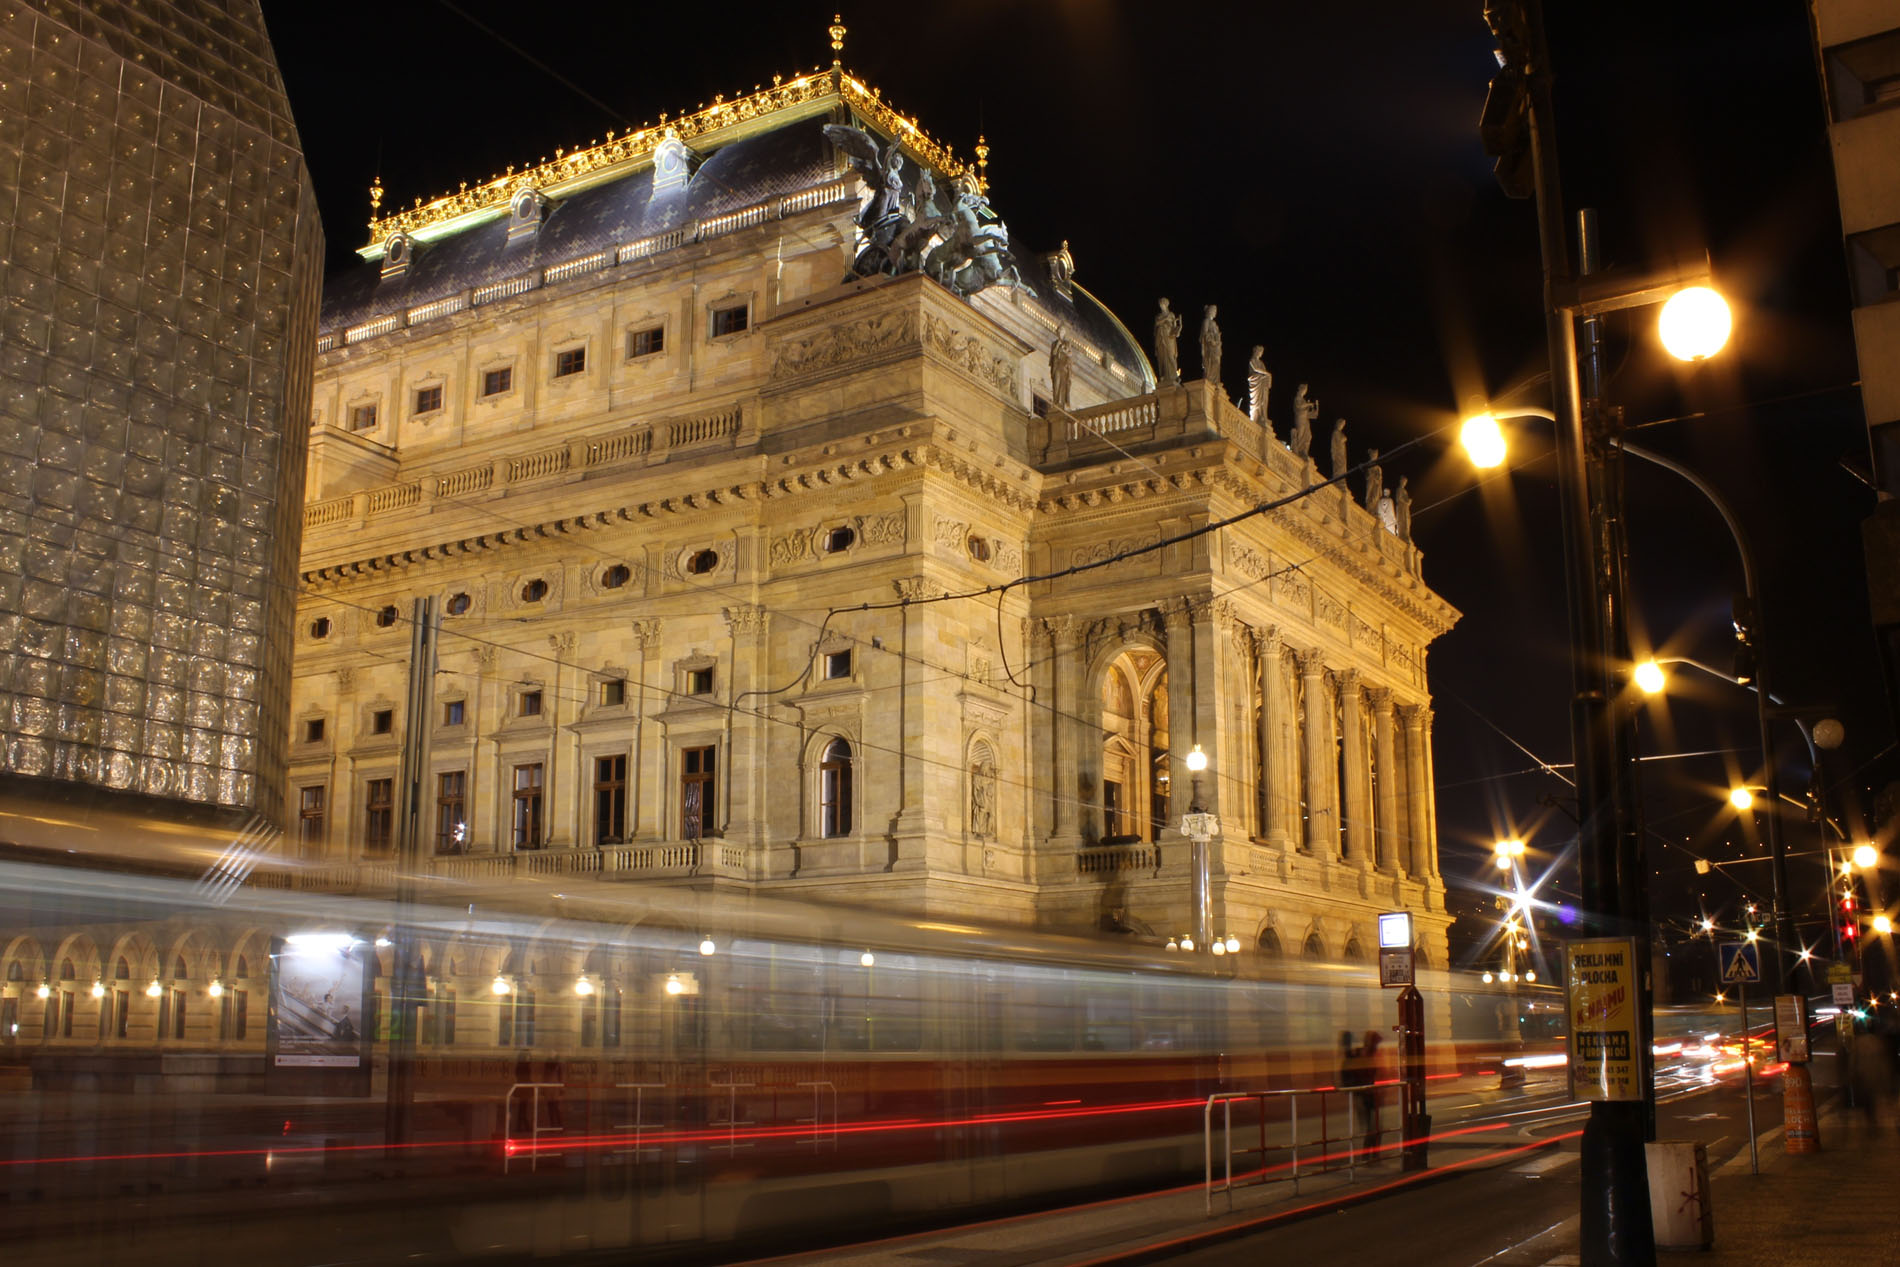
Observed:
{"x":1605,"y":1027}
{"x":318,"y":1011}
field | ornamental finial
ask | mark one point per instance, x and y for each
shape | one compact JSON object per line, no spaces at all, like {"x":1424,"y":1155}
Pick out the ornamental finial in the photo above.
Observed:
{"x":837,"y":29}
{"x":375,"y":196}
{"x":982,"y":160}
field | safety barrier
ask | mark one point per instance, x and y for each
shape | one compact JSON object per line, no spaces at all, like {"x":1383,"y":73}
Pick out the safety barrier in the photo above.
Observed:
{"x":1325,"y":1151}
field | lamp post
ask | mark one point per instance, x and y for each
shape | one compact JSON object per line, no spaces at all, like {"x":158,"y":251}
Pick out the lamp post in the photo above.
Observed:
{"x":1200,"y":828}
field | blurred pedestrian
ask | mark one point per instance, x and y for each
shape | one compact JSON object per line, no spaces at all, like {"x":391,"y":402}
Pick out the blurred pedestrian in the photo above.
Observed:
{"x":1367,"y":1084}
{"x":1871,"y":1069}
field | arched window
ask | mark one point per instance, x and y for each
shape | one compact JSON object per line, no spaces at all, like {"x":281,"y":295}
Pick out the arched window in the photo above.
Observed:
{"x":1269,"y":942}
{"x":1355,"y":953}
{"x":834,"y":789}
{"x":66,"y":972}
{"x":243,"y":968}
{"x":178,"y":969}
{"x":14,"y":971}
{"x":1314,"y":948}
{"x":122,"y":971}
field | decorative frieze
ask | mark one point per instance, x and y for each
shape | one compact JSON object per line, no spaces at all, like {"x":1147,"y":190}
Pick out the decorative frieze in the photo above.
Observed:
{"x":842,"y":344}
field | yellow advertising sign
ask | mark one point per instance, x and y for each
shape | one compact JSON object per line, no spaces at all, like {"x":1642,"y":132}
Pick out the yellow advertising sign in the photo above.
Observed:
{"x":1606,"y":1034}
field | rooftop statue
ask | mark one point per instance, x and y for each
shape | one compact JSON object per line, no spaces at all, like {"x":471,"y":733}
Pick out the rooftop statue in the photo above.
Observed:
{"x":1061,"y":366}
{"x":1167,"y":346}
{"x":1339,"y":449}
{"x":1402,"y":511}
{"x":1259,"y":383}
{"x":971,"y":248}
{"x":1210,"y":346}
{"x":1305,"y":409}
{"x":1375,"y":483}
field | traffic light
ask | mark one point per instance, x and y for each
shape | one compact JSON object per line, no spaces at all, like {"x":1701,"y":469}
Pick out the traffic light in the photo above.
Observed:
{"x":1504,"y":126}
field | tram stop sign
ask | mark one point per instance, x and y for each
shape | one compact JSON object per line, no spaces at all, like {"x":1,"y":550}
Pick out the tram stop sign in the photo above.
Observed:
{"x":1396,"y":965}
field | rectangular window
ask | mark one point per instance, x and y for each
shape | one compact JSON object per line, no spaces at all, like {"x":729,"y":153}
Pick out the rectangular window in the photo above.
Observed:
{"x":837,"y":665}
{"x":428,"y":399}
{"x":610,"y":800}
{"x":495,"y":382}
{"x":570,"y":361}
{"x":613,"y":692}
{"x":445,"y":1015}
{"x":121,"y":1011}
{"x":531,"y":703}
{"x":528,"y":806}
{"x":451,"y":812}
{"x":1111,"y":807}
{"x":313,"y":730}
{"x":610,"y":1017}
{"x":698,"y":796}
{"x":454,"y":711}
{"x":178,"y":1013}
{"x":382,"y":721}
{"x":310,"y":820}
{"x":524,"y":1018}
{"x":729,"y":320}
{"x":648,"y":342}
{"x":362,"y":417}
{"x":379,"y":815}
{"x":699,"y":681}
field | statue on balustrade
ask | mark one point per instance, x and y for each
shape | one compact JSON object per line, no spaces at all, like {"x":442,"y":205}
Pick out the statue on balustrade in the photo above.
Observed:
{"x":1305,"y":409}
{"x":1167,"y":346}
{"x":1375,"y":482}
{"x":1259,"y":383}
{"x":1402,"y":508}
{"x":1210,"y":346}
{"x":1339,"y":449}
{"x":1061,"y":369}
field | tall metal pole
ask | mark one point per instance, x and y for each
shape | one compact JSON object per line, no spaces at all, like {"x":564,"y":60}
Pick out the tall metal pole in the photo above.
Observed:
{"x":405,"y":985}
{"x":1615,"y":1223}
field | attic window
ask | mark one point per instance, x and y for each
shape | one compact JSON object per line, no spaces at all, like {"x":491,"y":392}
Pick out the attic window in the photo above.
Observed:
{"x":362,"y":417}
{"x":496,"y":382}
{"x":729,"y":320}
{"x":570,"y":361}
{"x":648,"y":342}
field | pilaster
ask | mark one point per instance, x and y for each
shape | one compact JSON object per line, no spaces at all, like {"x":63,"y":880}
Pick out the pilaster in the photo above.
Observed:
{"x":1322,"y":817}
{"x":1358,"y":833}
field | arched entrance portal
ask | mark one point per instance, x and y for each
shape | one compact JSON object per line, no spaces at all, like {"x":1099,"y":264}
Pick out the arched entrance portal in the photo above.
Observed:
{"x":1135,"y":763}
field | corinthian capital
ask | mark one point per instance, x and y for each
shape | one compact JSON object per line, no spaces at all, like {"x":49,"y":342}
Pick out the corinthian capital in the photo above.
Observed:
{"x":745,"y":620}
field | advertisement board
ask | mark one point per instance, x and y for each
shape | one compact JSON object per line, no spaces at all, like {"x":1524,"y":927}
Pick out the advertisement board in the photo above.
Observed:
{"x":1603,"y":1001}
{"x":318,"y":1039}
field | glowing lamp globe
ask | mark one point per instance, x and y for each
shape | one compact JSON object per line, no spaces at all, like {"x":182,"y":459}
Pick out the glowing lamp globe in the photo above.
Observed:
{"x":1883,"y":925}
{"x":1649,"y":678}
{"x":1829,"y":734}
{"x":1483,"y":440}
{"x":1742,"y":798}
{"x":1866,"y":856}
{"x":1695,"y":324}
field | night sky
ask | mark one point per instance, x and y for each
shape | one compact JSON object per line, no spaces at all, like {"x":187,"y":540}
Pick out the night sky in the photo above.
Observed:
{"x":1315,"y":170}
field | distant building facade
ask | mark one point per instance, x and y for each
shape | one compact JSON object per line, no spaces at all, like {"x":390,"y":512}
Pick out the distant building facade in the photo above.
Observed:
{"x":162,"y":278}
{"x":729,"y":551}
{"x":1859,"y":46}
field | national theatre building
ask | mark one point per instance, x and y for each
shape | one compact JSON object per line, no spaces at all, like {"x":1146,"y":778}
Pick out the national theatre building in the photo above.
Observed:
{"x":791,"y":529}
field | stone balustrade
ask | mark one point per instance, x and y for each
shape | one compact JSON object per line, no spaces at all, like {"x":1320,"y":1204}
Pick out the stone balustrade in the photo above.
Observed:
{"x":659,"y":860}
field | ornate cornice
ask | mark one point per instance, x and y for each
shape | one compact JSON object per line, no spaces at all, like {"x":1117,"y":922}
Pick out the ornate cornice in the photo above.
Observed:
{"x":636,"y":149}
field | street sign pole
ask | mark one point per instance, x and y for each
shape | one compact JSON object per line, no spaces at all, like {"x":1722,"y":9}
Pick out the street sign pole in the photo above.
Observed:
{"x":1748,"y":1085}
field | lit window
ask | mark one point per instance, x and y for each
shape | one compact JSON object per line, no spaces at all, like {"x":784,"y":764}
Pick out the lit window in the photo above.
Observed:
{"x":379,"y":815}
{"x":451,"y":812}
{"x":837,"y":665}
{"x":495,"y":382}
{"x":310,"y":819}
{"x":698,"y":793}
{"x":527,"y":806}
{"x":453,"y":712}
{"x":428,"y":399}
{"x":570,"y":361}
{"x":362,"y":417}
{"x":610,"y":800}
{"x":531,"y":703}
{"x":648,"y":342}
{"x":834,"y":789}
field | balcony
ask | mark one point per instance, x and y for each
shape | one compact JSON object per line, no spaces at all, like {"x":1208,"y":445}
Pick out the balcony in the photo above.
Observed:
{"x":658,"y":860}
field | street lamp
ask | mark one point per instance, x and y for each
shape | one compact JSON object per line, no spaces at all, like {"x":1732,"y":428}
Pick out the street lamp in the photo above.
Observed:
{"x":1200,"y":828}
{"x":1695,"y":323}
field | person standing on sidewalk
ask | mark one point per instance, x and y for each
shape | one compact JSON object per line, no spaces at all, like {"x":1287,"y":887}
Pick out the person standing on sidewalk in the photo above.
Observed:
{"x":1365,"y":1069}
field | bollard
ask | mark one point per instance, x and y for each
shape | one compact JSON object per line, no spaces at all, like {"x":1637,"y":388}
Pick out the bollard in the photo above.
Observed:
{"x":1799,"y":1134}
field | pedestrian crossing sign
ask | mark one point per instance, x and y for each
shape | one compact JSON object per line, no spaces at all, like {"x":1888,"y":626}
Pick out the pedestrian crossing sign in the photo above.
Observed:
{"x":1741,"y":962}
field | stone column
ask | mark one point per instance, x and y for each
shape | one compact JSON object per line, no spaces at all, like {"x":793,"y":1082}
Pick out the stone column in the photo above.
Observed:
{"x":748,"y":758}
{"x":1065,"y":649}
{"x":561,"y":792}
{"x":344,"y":836}
{"x":1430,"y":845}
{"x":1182,"y":731}
{"x":646,"y":799}
{"x":1418,"y":833}
{"x":1322,"y":820}
{"x":1355,"y":793}
{"x":1275,"y":754}
{"x":1388,"y":835}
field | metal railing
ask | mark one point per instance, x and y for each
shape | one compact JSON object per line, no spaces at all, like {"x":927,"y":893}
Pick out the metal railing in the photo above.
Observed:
{"x":1322,"y":1153}
{"x":535,"y":1129}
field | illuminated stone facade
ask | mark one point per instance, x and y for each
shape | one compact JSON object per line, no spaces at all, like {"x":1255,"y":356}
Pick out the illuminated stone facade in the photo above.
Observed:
{"x":161,"y":279}
{"x":720,"y":546}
